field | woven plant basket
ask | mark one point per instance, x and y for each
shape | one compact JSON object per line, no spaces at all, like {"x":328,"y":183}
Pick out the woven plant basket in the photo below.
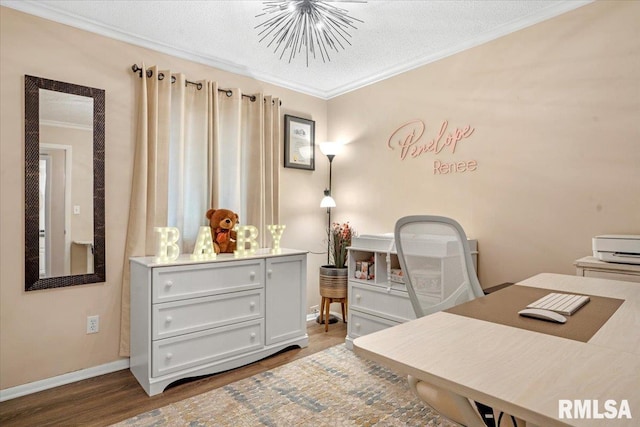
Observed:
{"x":333,"y":282}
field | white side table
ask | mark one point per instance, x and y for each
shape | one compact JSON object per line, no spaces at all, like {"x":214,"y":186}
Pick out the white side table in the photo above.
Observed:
{"x":592,"y":267}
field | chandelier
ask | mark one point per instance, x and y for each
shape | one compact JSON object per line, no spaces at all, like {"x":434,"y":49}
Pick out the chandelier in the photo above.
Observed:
{"x":312,"y":26}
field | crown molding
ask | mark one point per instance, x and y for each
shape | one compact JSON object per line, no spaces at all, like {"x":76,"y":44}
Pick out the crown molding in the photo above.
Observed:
{"x":548,"y":13}
{"x":38,"y":9}
{"x":32,"y":7}
{"x":66,"y":125}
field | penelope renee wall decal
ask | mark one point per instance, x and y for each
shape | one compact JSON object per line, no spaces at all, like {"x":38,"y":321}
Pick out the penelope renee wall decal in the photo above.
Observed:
{"x":408,"y":137}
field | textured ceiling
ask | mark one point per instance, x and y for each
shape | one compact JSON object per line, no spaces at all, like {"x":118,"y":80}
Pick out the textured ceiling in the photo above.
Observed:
{"x":396,"y":36}
{"x":65,"y":109}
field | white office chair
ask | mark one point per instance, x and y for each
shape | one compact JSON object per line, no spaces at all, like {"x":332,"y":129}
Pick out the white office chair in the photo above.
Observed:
{"x":439,"y":273}
{"x":436,"y":263}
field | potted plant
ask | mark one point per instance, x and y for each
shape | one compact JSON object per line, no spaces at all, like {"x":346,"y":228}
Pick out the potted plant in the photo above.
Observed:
{"x":333,"y":277}
{"x":339,"y":240}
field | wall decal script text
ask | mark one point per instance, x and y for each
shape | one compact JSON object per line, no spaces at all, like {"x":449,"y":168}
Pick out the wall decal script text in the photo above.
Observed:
{"x":407,"y":136}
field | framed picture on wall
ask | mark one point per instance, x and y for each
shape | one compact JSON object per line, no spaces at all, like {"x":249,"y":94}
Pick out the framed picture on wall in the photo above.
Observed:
{"x":299,"y":140}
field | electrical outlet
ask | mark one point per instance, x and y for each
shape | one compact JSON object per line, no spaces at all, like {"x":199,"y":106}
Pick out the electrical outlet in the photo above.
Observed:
{"x":93,"y":324}
{"x":315,"y":309}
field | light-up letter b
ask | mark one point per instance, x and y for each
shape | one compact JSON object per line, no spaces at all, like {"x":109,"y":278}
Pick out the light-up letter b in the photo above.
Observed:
{"x":246,"y":234}
{"x":276,"y":234}
{"x":166,"y":244}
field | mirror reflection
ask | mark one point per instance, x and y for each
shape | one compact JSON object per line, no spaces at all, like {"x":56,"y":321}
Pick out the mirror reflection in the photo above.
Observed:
{"x":65,"y":184}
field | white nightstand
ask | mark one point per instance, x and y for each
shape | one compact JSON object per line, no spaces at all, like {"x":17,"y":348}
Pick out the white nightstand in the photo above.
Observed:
{"x":378,"y":303}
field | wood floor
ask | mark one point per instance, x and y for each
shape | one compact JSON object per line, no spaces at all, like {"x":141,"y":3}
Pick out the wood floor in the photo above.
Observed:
{"x":114,"y":397}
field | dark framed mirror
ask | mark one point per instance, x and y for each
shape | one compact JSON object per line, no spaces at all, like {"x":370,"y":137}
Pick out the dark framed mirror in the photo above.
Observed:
{"x":64,"y":190}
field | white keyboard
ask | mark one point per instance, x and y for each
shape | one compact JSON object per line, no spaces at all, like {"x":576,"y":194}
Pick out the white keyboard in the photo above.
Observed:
{"x":560,"y":303}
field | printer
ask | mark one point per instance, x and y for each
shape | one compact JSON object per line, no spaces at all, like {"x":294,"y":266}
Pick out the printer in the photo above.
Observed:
{"x":617,"y":248}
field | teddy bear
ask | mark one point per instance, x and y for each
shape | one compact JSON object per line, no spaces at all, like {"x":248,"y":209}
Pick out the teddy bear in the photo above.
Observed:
{"x":222,"y":222}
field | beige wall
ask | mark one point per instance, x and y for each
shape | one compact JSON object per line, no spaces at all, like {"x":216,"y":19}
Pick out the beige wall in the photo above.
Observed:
{"x":557,"y":139}
{"x":556,"y":113}
{"x":43,"y":332}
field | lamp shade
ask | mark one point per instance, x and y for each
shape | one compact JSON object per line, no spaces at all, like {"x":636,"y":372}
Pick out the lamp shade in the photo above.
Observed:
{"x":327,"y":202}
{"x":330,"y":148}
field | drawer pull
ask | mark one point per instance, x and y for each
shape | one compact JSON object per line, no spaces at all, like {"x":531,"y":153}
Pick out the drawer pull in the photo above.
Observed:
{"x":253,"y":336}
{"x":169,"y":319}
{"x":252,"y":305}
{"x":168,"y":284}
{"x":269,"y":272}
{"x":252,"y":275}
{"x":357,"y":325}
{"x":358,"y":297}
{"x":169,"y":356}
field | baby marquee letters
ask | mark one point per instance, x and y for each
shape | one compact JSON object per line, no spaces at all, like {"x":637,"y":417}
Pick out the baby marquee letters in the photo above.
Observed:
{"x":167,"y":249}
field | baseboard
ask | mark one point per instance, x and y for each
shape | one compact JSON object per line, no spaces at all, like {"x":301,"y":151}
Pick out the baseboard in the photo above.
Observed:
{"x":71,"y":377}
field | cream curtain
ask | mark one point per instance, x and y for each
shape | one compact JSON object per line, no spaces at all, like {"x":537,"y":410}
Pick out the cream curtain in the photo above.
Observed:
{"x":246,"y":158}
{"x":196,"y":149}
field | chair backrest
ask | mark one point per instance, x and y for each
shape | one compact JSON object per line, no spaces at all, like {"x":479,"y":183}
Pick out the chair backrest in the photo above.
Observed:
{"x":436,"y":263}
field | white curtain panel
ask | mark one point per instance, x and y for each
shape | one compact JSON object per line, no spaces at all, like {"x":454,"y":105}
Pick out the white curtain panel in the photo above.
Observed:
{"x":188,"y":157}
{"x":198,"y":149}
{"x":227,"y":153}
{"x":246,"y":157}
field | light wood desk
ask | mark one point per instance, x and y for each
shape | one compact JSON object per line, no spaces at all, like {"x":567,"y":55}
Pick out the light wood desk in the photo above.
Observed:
{"x":521,"y":372}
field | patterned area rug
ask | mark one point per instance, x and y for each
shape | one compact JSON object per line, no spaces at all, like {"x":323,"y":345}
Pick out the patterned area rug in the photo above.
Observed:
{"x":330,"y":388}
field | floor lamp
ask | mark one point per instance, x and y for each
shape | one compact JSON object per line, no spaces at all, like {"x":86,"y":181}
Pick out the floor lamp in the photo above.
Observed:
{"x":329,"y":149}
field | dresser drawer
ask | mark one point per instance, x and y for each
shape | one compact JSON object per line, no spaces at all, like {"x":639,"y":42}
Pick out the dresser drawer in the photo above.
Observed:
{"x":199,"y":348}
{"x":394,"y":305}
{"x":192,"y":315}
{"x":361,"y":324}
{"x":182,"y":282}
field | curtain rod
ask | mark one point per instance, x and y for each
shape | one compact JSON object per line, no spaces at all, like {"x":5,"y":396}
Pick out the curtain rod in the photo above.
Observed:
{"x":149,"y":73}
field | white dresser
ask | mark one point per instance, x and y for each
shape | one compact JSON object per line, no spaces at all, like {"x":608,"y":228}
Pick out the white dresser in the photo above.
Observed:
{"x":192,"y":318}
{"x":379,"y":303}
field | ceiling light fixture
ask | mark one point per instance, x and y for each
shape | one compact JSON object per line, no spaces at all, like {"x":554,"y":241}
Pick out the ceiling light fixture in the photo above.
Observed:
{"x":313,"y":25}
